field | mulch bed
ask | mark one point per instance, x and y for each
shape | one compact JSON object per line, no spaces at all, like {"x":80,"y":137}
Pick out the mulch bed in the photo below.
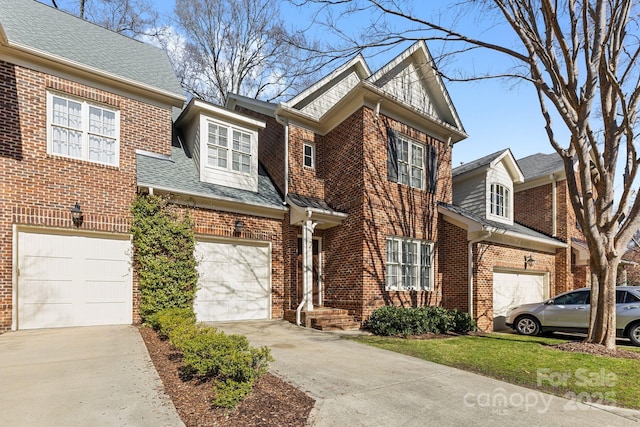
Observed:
{"x":596,"y":349}
{"x":273,"y":402}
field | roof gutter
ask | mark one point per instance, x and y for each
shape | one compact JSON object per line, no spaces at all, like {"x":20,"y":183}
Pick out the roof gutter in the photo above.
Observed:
{"x":285,"y":122}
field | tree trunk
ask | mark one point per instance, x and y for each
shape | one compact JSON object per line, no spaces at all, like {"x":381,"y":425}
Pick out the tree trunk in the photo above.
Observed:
{"x":602,"y":321}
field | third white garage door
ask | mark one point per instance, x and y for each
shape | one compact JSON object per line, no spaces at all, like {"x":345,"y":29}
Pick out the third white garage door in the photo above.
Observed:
{"x":235,"y":281}
{"x":512,"y":289}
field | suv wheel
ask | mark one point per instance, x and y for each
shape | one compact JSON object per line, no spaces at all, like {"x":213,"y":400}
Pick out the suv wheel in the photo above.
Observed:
{"x":529,"y":325}
{"x":634,"y":333}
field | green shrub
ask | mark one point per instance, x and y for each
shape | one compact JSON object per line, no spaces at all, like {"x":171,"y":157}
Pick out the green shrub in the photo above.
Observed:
{"x":167,"y":321}
{"x":403,"y":321}
{"x":163,"y":255}
{"x":229,"y":392}
{"x":463,"y":322}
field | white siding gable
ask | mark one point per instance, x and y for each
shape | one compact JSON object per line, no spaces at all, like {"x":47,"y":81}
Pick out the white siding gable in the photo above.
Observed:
{"x":471,"y":195}
{"x":406,"y":83}
{"x":325,"y":101}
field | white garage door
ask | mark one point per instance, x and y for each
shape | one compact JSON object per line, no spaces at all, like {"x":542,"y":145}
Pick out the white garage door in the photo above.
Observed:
{"x":235,"y":281}
{"x":73,"y":281}
{"x":512,"y":289}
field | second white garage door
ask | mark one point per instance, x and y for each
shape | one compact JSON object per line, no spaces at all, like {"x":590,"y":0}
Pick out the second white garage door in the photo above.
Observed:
{"x":512,"y":289}
{"x":73,"y":280}
{"x":235,"y":281}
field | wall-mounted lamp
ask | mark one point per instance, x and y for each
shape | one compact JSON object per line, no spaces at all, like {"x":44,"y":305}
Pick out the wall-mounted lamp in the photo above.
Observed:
{"x":76,"y":215}
{"x":239,"y":225}
{"x":528,"y":261}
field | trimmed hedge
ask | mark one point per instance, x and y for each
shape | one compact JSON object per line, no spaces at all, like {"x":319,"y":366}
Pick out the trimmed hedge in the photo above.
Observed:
{"x":403,"y":321}
{"x":210,"y":354}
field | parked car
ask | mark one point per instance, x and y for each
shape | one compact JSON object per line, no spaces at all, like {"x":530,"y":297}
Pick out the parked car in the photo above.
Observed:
{"x":569,"y":312}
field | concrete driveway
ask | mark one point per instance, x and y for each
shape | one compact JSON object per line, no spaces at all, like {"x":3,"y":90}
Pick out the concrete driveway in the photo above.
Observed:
{"x":357,"y":385}
{"x":93,"y":376}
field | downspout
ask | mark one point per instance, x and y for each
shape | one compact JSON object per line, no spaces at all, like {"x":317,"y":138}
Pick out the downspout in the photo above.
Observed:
{"x":554,"y":206}
{"x":285,"y":123}
{"x":470,"y":267}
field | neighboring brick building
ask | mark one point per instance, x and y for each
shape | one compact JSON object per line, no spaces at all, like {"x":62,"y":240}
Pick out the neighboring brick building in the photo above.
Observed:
{"x":77,"y":102}
{"x":522,"y":241}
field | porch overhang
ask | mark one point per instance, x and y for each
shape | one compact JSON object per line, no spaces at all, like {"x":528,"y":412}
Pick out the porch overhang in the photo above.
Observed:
{"x":581,"y":251}
{"x":322,"y":214}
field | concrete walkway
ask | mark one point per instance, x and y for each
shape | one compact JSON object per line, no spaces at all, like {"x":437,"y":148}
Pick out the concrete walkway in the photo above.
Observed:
{"x":93,"y":376}
{"x":358,"y":385}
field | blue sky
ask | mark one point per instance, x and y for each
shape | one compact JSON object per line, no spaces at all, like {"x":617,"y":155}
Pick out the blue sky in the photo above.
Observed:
{"x":496,"y":114}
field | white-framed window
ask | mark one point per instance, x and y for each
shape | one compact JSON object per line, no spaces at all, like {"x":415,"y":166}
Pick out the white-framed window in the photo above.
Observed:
{"x":221,"y":155}
{"x":82,"y":130}
{"x":410,"y":165}
{"x":409,"y":264}
{"x":309,"y":155}
{"x":500,"y":200}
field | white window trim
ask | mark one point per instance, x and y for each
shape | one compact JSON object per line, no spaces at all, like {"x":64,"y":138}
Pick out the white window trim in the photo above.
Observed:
{"x":410,"y":143}
{"x":400,"y":286}
{"x":508,"y":206}
{"x":85,"y":128}
{"x":229,"y":148}
{"x":313,"y":155}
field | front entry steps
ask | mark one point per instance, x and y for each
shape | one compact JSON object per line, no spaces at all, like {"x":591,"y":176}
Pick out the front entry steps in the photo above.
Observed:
{"x":324,"y":319}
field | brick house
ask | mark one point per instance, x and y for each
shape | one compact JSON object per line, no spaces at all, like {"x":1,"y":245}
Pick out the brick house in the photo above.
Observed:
{"x":317,"y":210}
{"x":363,"y":160}
{"x":512,"y":226}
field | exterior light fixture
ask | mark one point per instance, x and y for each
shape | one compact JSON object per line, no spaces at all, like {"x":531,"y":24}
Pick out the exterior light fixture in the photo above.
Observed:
{"x":76,"y":215}
{"x":239,"y":225}
{"x":528,"y":261}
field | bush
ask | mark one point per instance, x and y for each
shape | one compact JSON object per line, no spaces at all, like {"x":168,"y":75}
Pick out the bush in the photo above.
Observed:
{"x":163,"y":255}
{"x":402,"y":321}
{"x":166,"y":321}
{"x":208,"y":353}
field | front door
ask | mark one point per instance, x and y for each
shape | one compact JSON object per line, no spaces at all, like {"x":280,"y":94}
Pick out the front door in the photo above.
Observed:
{"x":316,"y":271}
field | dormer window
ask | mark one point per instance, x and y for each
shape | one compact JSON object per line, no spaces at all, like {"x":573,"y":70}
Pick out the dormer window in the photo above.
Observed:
{"x":500,"y":201}
{"x":218,"y":153}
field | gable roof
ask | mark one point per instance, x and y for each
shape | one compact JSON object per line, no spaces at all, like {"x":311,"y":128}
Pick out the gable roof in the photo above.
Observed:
{"x":490,"y":161}
{"x":42,"y":31}
{"x":537,"y":165}
{"x":426,"y":105}
{"x":427,"y":90}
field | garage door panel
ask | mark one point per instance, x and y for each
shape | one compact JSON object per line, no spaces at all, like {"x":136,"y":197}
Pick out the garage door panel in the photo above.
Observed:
{"x":73,"y":280}
{"x":513,"y":289}
{"x":234,"y":281}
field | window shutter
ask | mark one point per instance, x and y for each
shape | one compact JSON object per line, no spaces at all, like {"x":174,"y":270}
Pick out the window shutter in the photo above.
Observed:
{"x":433,"y":168}
{"x":392,"y":156}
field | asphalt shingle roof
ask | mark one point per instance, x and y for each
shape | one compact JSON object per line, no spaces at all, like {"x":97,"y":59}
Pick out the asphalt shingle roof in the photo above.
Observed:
{"x":482,"y":161}
{"x":33,"y":25}
{"x":179,"y":175}
{"x":515,"y":228}
{"x":309,"y":202}
{"x":540,"y":164}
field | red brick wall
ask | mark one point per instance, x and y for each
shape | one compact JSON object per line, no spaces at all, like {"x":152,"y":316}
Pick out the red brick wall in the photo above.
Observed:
{"x":491,"y":256}
{"x":40,"y":189}
{"x":304,"y":180}
{"x":533,"y":208}
{"x":454,"y":254}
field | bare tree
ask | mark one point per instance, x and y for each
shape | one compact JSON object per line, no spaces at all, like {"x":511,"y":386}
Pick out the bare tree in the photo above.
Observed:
{"x":582,"y":59}
{"x":132,"y":18}
{"x":239,"y":46}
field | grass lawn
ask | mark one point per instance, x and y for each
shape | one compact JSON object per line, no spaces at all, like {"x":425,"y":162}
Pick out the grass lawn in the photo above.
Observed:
{"x":530,"y":362}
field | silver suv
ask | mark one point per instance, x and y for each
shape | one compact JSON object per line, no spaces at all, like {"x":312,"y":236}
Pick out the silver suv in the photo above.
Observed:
{"x":569,"y":312}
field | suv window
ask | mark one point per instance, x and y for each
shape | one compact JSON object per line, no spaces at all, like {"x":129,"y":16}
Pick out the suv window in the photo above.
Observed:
{"x":573,"y":298}
{"x":623,"y":297}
